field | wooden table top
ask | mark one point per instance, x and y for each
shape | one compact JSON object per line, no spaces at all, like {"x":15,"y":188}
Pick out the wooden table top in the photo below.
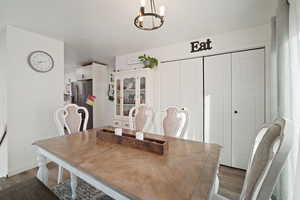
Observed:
{"x":187,"y":172}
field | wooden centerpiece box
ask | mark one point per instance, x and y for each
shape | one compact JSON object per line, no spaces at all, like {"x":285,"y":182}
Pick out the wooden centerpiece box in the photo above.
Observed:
{"x":154,"y":145}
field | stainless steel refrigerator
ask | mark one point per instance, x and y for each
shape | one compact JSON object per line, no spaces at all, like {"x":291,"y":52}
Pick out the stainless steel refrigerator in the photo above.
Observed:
{"x":81,"y":90}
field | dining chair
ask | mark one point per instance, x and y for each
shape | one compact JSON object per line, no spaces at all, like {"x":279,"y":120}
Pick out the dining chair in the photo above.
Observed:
{"x":270,"y":151}
{"x":70,"y":118}
{"x":141,"y":117}
{"x":175,"y":123}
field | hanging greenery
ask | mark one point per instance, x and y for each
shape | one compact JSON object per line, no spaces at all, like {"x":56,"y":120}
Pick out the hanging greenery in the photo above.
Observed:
{"x":149,"y":62}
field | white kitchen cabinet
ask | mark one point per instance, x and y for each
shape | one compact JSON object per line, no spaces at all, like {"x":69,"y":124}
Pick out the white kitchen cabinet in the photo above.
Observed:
{"x":84,"y":73}
{"x":234,"y":103}
{"x":132,"y":88}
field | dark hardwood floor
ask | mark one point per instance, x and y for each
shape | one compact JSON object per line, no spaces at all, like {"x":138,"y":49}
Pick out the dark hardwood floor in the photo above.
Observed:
{"x":231,"y":180}
{"x":31,"y":189}
{"x":52,"y":180}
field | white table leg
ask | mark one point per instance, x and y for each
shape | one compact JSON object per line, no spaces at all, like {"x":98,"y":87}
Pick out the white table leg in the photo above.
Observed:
{"x":73,"y":185}
{"x":60,"y":174}
{"x":42,"y":173}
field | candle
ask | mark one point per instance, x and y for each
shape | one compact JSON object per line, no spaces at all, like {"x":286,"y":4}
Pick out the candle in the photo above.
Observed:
{"x":162,"y":11}
{"x":141,"y":19}
{"x":118,"y":131}
{"x":143,"y":3}
{"x":139,"y":135}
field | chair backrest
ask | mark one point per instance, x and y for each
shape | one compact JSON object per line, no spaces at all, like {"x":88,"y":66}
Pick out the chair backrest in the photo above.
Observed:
{"x":270,"y":151}
{"x":176,"y":121}
{"x":141,"y":117}
{"x":70,"y":118}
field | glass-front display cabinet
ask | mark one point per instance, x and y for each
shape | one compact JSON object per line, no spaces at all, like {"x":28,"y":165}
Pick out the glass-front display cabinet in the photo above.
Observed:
{"x":129,"y":95}
{"x":132,"y":88}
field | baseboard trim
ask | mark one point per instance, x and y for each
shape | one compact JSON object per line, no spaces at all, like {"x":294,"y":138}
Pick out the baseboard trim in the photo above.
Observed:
{"x":3,"y":175}
{"x":20,"y":170}
{"x":23,"y":169}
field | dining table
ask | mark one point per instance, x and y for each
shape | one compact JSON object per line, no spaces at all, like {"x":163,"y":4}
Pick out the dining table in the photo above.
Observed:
{"x":187,"y":171}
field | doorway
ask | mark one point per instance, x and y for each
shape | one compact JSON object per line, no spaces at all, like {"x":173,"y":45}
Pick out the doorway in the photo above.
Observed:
{"x":81,"y":90}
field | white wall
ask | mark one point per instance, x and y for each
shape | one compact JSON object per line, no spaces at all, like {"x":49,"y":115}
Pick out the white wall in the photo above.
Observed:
{"x":71,"y":76}
{"x":228,"y":42}
{"x":3,"y":148}
{"x":222,"y":43}
{"x":102,"y":107}
{"x":32,"y":97}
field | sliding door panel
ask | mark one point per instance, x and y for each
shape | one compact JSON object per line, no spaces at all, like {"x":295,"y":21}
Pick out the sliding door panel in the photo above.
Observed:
{"x":248,"y":103}
{"x":217,"y":98}
{"x":169,"y":84}
{"x":169,"y":88}
{"x":191,"y":97}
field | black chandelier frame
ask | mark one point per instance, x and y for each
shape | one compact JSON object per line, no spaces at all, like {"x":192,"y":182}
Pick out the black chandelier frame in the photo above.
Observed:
{"x":140,"y":24}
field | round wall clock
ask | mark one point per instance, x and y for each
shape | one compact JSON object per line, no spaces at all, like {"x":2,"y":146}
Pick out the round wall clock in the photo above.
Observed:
{"x":40,"y":61}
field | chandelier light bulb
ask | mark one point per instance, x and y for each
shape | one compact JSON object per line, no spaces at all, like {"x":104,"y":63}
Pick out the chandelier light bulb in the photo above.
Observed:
{"x":141,"y":19}
{"x":143,"y":3}
{"x":162,"y":11}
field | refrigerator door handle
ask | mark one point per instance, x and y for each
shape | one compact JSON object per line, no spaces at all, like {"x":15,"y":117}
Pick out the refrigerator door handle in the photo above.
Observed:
{"x":77,"y":94}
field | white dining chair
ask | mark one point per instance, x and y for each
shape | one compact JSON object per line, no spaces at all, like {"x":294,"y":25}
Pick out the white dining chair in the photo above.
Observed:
{"x":141,"y":118}
{"x":270,"y":151}
{"x":70,"y":118}
{"x":176,"y":122}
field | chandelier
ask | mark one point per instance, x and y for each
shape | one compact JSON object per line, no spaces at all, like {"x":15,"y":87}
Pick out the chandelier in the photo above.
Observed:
{"x":152,"y":20}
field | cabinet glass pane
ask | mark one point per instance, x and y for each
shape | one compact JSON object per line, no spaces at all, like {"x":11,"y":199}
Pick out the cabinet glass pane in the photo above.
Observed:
{"x":143,"y":90}
{"x":129,"y":91}
{"x":118,"y":99}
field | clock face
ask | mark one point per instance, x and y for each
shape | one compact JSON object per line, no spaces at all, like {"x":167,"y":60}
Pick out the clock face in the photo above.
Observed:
{"x":41,"y":61}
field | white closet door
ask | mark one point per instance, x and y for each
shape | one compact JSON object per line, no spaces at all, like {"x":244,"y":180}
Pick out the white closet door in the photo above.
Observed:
{"x":169,"y":84}
{"x":191,"y":96}
{"x":169,"y":88}
{"x":217,"y":76}
{"x":248,"y":103}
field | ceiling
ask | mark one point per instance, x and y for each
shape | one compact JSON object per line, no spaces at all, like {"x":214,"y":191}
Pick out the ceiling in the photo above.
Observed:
{"x":99,"y":29}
